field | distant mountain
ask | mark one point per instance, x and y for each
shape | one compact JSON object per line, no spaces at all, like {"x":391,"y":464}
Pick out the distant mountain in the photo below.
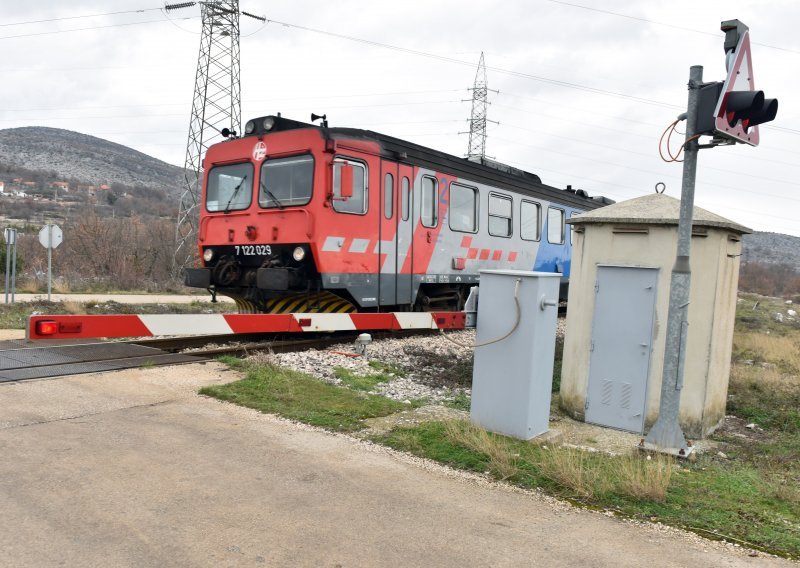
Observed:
{"x":772,"y":248}
{"x":85,"y":159}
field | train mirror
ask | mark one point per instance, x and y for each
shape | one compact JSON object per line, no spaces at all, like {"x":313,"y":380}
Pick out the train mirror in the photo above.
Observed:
{"x":342,"y":181}
{"x":347,"y":181}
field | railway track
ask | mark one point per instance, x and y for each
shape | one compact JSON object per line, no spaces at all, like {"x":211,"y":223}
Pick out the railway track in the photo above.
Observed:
{"x":22,"y":360}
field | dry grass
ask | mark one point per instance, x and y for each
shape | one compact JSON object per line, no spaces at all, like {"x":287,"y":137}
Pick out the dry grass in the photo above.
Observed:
{"x":780,"y":350}
{"x":586,"y":475}
{"x":74,"y":308}
{"x":645,"y":477}
{"x":590,"y":475}
{"x":570,"y":467}
{"x":27,"y":286}
{"x":763,"y":379}
{"x":503,"y":461}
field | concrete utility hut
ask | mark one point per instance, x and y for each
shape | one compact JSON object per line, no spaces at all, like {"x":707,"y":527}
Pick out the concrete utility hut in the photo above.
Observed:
{"x":618,"y":302}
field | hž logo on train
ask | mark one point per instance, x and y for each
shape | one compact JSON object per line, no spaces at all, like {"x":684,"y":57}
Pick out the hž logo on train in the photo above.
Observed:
{"x":259,"y":151}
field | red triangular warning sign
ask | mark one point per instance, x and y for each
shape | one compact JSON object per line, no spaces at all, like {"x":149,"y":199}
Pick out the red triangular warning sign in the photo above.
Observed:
{"x":740,"y":78}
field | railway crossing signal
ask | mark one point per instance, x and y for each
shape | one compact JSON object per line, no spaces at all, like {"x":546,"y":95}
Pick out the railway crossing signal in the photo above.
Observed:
{"x":738,"y":109}
{"x":733,"y":109}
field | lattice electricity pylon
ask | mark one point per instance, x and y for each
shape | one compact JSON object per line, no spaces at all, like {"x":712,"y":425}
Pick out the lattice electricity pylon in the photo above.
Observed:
{"x":216,"y":107}
{"x":477,"y":123}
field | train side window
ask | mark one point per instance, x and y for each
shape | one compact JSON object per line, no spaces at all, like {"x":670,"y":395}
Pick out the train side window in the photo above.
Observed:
{"x":499,"y":215}
{"x":463,"y":208}
{"x":357,"y":202}
{"x":388,"y":196}
{"x":229,"y":187}
{"x":405,"y":198}
{"x":555,"y":226}
{"x":530,"y":221}
{"x":429,"y":212}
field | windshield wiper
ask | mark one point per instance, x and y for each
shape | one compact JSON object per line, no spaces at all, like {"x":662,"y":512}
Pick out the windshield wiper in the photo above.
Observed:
{"x":233,"y":195}
{"x":271,"y":196}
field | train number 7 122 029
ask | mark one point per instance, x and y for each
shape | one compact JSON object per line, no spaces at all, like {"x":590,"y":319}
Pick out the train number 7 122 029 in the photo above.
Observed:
{"x":251,"y":250}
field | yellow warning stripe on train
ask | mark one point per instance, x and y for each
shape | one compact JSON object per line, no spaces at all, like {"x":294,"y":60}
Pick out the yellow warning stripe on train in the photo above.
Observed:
{"x":322,"y":302}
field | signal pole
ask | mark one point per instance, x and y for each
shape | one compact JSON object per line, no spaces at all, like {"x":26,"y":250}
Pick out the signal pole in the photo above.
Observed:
{"x":216,"y":106}
{"x":666,"y":434}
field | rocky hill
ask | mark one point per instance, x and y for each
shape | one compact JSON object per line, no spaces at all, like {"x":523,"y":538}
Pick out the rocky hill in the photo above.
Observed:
{"x":772,"y":248}
{"x":86,"y":159}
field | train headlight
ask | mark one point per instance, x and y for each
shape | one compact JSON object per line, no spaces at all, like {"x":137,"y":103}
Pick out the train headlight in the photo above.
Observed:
{"x":299,"y":253}
{"x":208,"y":255}
{"x":249,"y":127}
{"x":269,"y":122}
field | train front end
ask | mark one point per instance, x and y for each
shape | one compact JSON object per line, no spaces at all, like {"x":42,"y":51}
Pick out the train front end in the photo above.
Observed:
{"x":256,"y":228}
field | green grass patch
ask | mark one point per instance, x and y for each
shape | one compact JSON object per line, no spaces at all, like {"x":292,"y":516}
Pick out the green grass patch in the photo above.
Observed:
{"x":359,"y":382}
{"x":387,"y":369}
{"x":756,"y":313}
{"x":557,"y":362}
{"x":461,"y":401}
{"x":275,"y":390}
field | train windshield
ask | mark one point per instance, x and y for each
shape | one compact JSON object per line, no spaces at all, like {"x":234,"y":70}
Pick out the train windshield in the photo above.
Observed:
{"x":286,"y":181}
{"x":229,"y":188}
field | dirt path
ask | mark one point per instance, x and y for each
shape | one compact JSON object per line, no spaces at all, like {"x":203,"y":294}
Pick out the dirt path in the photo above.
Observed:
{"x":132,"y":468}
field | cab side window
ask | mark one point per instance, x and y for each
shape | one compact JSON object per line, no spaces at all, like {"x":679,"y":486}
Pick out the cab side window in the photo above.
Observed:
{"x":354,"y":175}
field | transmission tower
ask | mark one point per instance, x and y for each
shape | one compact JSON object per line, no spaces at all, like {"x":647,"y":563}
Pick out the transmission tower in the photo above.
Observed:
{"x":477,"y":123}
{"x":216,"y":108}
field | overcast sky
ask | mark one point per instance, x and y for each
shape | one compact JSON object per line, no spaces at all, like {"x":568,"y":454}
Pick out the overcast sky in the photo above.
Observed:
{"x":586,"y":88}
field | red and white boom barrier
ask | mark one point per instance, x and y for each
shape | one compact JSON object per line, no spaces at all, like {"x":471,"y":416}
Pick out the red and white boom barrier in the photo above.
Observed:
{"x":95,"y":326}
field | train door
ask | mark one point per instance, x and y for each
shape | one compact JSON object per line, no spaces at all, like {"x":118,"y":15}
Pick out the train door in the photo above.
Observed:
{"x":387,"y":235}
{"x":394,"y":249}
{"x":405,"y":234}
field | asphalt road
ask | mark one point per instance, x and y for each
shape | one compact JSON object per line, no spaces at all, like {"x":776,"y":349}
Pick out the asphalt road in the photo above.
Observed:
{"x":133,"y":469}
{"x":122,"y":298}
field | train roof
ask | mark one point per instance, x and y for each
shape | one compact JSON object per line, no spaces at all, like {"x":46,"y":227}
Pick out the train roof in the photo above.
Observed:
{"x":485,"y":171}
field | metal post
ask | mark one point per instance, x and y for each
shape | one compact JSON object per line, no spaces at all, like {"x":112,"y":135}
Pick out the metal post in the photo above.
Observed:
{"x":14,"y":268}
{"x":49,"y":258}
{"x":666,"y":434}
{"x":8,"y":267}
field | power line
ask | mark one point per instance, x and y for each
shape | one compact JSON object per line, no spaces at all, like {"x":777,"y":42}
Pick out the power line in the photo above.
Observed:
{"x":85,"y":29}
{"x":630,"y":152}
{"x":650,"y":172}
{"x":540,"y":78}
{"x":673,"y":26}
{"x":79,"y":17}
{"x":520,"y":74}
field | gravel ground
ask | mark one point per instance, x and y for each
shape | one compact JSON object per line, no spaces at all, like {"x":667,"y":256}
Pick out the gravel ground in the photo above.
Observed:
{"x":422,"y":362}
{"x":436,"y":367}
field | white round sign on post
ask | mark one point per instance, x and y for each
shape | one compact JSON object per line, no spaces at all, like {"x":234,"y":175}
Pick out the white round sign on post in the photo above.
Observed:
{"x":51,"y":236}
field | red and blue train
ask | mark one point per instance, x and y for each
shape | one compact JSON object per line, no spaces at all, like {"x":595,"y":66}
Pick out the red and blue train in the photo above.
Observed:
{"x":297,"y":217}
